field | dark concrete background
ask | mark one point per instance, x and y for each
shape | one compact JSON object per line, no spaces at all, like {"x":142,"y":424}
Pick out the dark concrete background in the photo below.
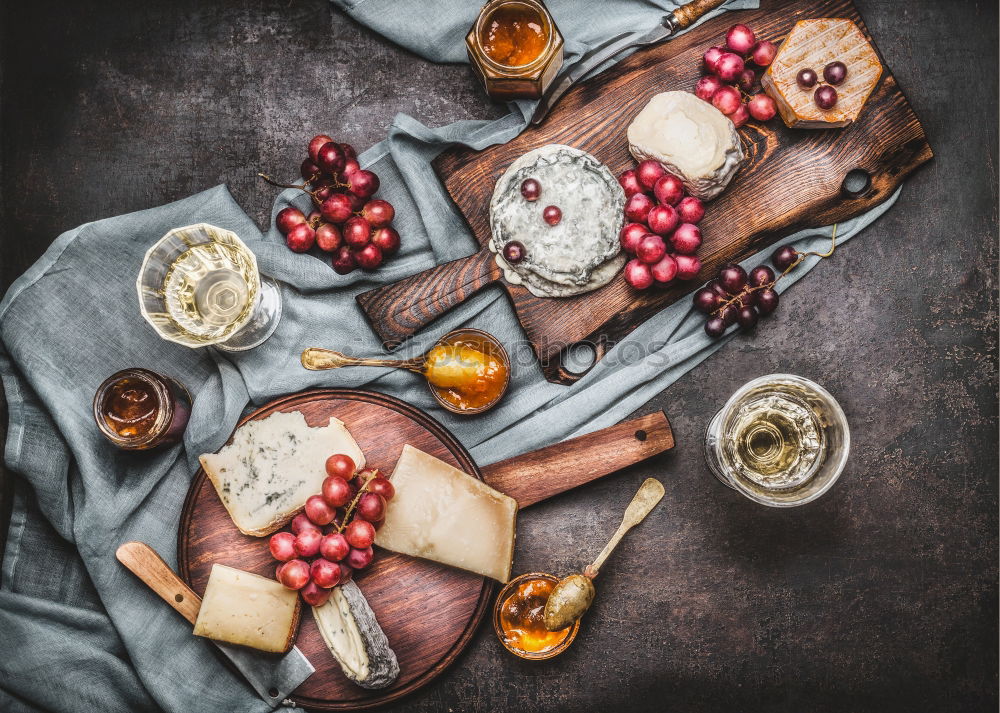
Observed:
{"x":882,"y":596}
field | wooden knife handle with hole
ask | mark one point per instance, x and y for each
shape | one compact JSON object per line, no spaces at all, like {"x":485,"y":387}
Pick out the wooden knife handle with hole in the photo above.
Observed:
{"x":536,"y":476}
{"x":144,"y":563}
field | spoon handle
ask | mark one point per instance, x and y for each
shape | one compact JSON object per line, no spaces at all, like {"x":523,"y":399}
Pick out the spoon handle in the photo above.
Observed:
{"x":649,"y":494}
{"x":316,"y":359}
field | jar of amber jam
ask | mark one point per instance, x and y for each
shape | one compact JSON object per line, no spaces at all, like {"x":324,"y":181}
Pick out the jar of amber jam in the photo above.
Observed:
{"x":484,"y":362}
{"x":138,"y":409}
{"x":518,"y":618}
{"x":515,"y":49}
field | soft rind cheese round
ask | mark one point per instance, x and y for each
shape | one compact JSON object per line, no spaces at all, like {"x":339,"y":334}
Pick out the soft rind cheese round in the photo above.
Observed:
{"x":582,"y":251}
{"x":691,"y":139}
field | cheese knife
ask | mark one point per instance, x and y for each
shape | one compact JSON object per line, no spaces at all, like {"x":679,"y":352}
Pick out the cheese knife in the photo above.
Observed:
{"x":273,"y":678}
{"x":682,"y":17}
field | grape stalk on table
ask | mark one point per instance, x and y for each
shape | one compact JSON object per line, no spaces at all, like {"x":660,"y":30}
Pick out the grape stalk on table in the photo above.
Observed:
{"x":349,"y":223}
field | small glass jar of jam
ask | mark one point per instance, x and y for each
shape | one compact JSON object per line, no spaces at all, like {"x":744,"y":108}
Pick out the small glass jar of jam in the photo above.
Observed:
{"x":138,"y":409}
{"x":518,"y":618}
{"x":468,"y":371}
{"x":515,"y":48}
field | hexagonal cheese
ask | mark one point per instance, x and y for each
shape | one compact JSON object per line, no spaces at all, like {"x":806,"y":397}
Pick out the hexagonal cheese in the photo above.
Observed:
{"x":812,"y":44}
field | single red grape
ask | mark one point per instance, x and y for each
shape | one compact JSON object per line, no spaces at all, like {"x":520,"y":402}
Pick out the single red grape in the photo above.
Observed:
{"x":651,"y":249}
{"x":728,"y":314}
{"x":334,"y":547}
{"x":336,"y":491}
{"x":336,"y":208}
{"x":662,"y":219}
{"x":362,"y":183}
{"x":513,"y":252}
{"x":300,"y":238}
{"x":727,"y":99}
{"x":319,"y":510}
{"x":729,"y":67}
{"x":746,"y":79}
{"x":288,"y":218}
{"x":343,"y":261}
{"x":359,"y":534}
{"x":350,"y":166}
{"x":740,"y":117}
{"x":282,"y":546}
{"x":379,"y":213}
{"x":552,"y":215}
{"x":761,"y":275}
{"x":371,"y":507}
{"x":688,"y":266}
{"x":806,"y":78}
{"x":630,"y":236}
{"x":763,"y":53}
{"x":740,"y":39}
{"x":784,"y":257}
{"x":359,"y":558}
{"x":767,"y":302}
{"x":315,"y":144}
{"x":369,"y":257}
{"x":835,"y":72}
{"x":747,"y":317}
{"x":668,"y":189}
{"x":387,"y":240}
{"x":309,"y":170}
{"x":328,"y":237}
{"x":686,"y":239}
{"x":711,"y":58}
{"x":691,"y":209}
{"x":630,"y":182}
{"x":314,"y":595}
{"x":648,"y":172}
{"x":705,"y":300}
{"x":707,"y":86}
{"x":531,"y":189}
{"x":294,"y":574}
{"x":324,"y":573}
{"x":380,"y":485}
{"x":825,"y":97}
{"x":762,"y":107}
{"x":357,"y":232}
{"x":665,"y":270}
{"x":302,"y":522}
{"x":330,"y":158}
{"x":715,"y":327}
{"x":637,"y":274}
{"x":637,"y":207}
{"x":733,"y":278}
{"x":307,"y":543}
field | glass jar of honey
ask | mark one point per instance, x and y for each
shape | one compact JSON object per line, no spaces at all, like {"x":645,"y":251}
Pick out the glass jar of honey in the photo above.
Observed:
{"x":467,"y":371}
{"x":138,"y":409}
{"x":518,"y":618}
{"x":515,"y":49}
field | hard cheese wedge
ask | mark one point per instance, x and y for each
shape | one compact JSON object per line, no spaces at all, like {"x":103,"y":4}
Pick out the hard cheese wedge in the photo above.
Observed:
{"x":272,"y":465}
{"x":442,"y":514}
{"x":248,"y":610}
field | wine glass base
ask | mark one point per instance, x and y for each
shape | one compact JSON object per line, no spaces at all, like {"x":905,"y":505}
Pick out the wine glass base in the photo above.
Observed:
{"x":265,"y":319}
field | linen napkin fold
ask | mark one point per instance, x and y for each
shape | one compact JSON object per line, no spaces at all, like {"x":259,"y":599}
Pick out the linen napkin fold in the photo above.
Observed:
{"x":88,"y":635}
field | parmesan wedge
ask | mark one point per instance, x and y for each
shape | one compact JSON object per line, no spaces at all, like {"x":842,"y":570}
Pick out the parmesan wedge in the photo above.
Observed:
{"x":442,"y":514}
{"x":249,"y":610}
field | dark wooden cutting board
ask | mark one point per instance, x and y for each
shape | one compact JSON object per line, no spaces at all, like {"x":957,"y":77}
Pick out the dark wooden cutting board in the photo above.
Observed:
{"x":428,"y":611}
{"x":791,"y":180}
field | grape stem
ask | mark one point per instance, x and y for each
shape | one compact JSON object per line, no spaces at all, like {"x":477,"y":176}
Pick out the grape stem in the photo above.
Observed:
{"x":303,"y":187}
{"x":770,"y":285}
{"x":354,"y":503}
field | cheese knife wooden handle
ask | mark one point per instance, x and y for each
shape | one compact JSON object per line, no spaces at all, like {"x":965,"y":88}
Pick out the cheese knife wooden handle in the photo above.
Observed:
{"x":144,"y":563}
{"x":536,"y":476}
{"x":398,"y":310}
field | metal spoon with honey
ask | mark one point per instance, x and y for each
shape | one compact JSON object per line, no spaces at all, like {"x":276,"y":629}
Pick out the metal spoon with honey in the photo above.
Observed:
{"x":574,"y":594}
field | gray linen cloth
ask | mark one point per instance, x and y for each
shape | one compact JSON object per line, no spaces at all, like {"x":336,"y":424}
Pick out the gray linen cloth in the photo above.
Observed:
{"x":77,"y":631}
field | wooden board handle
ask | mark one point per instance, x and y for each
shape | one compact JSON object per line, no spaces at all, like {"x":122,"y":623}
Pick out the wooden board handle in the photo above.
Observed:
{"x":689,"y":13}
{"x":144,"y":563}
{"x":536,"y":476}
{"x":398,"y":310}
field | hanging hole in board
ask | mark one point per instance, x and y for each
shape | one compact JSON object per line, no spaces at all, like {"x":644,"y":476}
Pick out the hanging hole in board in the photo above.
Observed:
{"x":579,"y":357}
{"x":179,"y":598}
{"x":640,"y":435}
{"x":856,"y":182}
{"x":272,"y":692}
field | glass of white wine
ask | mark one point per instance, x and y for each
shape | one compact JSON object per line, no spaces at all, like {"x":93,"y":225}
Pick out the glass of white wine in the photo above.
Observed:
{"x":199,"y":285}
{"x":780,"y":440}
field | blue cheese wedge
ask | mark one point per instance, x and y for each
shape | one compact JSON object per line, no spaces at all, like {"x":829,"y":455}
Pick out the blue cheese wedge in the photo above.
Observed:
{"x":271,"y":466}
{"x":248,"y":610}
{"x":442,"y":514}
{"x":348,"y":626}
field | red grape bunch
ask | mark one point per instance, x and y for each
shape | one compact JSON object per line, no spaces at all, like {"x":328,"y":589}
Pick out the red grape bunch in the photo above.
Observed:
{"x":347,"y":221}
{"x":662,"y":234}
{"x":825,"y":95}
{"x":734,"y":297}
{"x":333,"y":537}
{"x":730,"y":81}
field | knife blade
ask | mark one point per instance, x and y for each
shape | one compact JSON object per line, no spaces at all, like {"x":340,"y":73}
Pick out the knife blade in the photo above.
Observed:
{"x":596,"y":56}
{"x":273,"y":679}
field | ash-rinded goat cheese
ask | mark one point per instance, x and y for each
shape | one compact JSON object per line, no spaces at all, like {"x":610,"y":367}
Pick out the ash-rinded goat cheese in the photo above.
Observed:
{"x":691,"y":139}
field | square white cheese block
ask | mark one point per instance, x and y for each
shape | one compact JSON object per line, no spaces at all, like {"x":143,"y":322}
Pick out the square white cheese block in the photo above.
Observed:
{"x":442,"y":514}
{"x":272,"y":466}
{"x":249,"y":610}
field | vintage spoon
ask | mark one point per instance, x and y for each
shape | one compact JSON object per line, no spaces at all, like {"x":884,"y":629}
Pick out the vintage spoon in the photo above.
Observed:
{"x":317,"y":359}
{"x":575,"y":593}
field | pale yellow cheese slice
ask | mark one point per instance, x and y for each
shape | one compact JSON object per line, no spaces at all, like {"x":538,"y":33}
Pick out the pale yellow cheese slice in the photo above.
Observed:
{"x":249,"y":610}
{"x":442,"y":514}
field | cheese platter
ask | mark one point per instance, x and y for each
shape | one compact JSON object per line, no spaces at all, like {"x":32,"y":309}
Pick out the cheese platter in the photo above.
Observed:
{"x":425,"y":611}
{"x":788,"y":179}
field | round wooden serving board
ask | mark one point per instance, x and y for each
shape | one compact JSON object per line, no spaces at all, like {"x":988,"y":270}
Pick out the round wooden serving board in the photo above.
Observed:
{"x":429,"y":612}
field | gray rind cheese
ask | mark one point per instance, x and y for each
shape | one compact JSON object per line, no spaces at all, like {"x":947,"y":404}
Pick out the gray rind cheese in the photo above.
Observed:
{"x":352,"y":633}
{"x":691,"y":139}
{"x":272,"y":465}
{"x":582,"y":251}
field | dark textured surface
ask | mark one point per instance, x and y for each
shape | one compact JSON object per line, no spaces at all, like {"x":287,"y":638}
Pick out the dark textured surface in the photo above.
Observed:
{"x":881,"y":596}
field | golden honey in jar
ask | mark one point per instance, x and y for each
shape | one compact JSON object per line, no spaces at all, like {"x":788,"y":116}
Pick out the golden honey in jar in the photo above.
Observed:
{"x":468,"y":371}
{"x":138,"y":409}
{"x":515,"y":48}
{"x":518,"y":618}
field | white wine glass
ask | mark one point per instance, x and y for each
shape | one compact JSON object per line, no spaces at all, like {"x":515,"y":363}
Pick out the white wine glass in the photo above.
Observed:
{"x":199,"y":285}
